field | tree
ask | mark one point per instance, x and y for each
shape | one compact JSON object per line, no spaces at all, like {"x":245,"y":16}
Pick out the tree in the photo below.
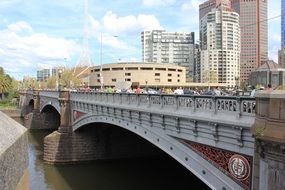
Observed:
{"x":210,"y":76}
{"x":69,"y":80}
{"x":5,"y":83}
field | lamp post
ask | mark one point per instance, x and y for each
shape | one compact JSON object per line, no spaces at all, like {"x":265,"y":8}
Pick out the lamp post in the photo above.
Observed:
{"x":146,"y":87}
{"x":101,"y":59}
{"x":59,"y":77}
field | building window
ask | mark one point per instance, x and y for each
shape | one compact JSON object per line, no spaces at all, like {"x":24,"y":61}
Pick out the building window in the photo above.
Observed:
{"x":98,"y":80}
{"x":146,"y":68}
{"x":127,"y":79}
{"x":179,"y":70}
{"x":132,"y":68}
{"x":128,"y":74}
{"x":98,"y":75}
{"x":114,"y":80}
{"x":171,"y":69}
{"x":178,"y":80}
{"x":160,"y":69}
{"x":106,"y":69}
{"x":117,"y":69}
{"x":96,"y":70}
{"x":169,"y":80}
{"x":169,"y":74}
{"x":178,"y":75}
{"x":157,"y":74}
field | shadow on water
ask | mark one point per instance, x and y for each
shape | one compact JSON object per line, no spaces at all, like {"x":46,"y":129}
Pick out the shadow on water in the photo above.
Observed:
{"x":130,"y":174}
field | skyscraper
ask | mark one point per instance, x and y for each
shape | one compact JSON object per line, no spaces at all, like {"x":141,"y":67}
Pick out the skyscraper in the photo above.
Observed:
{"x":159,"y":46}
{"x":220,"y":45}
{"x":282,"y":23}
{"x":254,"y":34}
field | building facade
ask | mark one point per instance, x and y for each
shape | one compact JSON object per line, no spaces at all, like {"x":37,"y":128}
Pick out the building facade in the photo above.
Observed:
{"x":220,"y":46}
{"x":197,"y":64}
{"x":138,"y":74}
{"x":254,"y":34}
{"x":43,"y":74}
{"x":159,"y":46}
{"x":281,"y":57}
{"x":282,"y":23}
{"x":268,"y":73}
{"x":207,"y":6}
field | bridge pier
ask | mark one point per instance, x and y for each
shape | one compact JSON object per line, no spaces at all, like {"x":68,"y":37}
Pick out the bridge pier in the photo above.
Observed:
{"x":269,"y":130}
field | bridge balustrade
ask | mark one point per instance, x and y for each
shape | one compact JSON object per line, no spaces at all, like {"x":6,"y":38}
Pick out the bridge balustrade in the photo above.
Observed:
{"x":240,"y":106}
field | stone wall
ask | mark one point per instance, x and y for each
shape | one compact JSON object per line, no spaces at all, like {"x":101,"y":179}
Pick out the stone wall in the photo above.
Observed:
{"x":12,"y":112}
{"x":269,"y":130}
{"x":95,"y":143}
{"x":13,"y":152}
{"x":42,"y":121}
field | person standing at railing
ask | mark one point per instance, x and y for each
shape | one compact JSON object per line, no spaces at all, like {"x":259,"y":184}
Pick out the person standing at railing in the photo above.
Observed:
{"x":252,"y":94}
{"x":269,"y":88}
{"x":138,"y":90}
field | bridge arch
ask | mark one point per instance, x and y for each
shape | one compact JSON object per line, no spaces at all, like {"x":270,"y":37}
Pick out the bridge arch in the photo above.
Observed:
{"x":49,"y":105}
{"x":50,"y":116}
{"x":30,"y":106}
{"x":201,"y":168}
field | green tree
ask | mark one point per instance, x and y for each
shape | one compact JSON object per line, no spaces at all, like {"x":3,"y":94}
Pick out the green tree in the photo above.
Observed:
{"x":5,"y":83}
{"x":69,"y":80}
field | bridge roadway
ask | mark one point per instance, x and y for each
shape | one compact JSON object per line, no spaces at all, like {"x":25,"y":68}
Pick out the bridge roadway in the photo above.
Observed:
{"x":208,"y":135}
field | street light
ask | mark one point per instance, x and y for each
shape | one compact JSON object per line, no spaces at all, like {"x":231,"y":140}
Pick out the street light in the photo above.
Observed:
{"x":59,"y":77}
{"x":101,"y":58}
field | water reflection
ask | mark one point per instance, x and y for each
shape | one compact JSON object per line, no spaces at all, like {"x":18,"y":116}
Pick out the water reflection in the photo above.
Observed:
{"x":134,"y":174}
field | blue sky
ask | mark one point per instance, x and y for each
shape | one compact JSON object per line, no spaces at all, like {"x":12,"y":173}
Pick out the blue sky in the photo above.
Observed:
{"x":34,"y":33}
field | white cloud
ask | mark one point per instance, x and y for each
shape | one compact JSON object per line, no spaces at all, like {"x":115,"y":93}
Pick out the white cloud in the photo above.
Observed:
{"x":113,"y":25}
{"x":20,"y":26}
{"x":129,"y":24}
{"x":158,"y":3}
{"x":23,"y":53}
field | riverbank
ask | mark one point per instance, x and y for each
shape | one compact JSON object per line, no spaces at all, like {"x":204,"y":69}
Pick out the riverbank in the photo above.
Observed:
{"x":11,"y":112}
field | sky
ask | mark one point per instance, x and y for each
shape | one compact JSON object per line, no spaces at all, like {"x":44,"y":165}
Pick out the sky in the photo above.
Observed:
{"x":35,"y":33}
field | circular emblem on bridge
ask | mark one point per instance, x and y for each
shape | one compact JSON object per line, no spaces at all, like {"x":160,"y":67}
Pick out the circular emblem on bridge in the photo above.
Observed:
{"x":239,"y":167}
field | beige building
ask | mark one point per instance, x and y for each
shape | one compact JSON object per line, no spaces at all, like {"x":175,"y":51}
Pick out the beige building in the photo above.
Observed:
{"x":143,"y":74}
{"x":220,"y":46}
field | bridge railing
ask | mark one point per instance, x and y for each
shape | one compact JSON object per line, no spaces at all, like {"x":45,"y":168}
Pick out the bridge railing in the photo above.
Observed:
{"x":50,"y":94}
{"x":241,"y":106}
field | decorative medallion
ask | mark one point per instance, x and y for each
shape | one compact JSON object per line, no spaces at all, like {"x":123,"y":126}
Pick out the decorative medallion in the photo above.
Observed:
{"x":239,"y":167}
{"x":235,"y":166}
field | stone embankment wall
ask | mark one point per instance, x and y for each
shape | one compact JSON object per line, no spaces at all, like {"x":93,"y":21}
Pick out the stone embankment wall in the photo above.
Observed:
{"x":12,"y":112}
{"x":13,"y":152}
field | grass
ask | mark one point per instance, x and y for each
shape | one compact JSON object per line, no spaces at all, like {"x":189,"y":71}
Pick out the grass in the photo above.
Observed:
{"x":5,"y":105}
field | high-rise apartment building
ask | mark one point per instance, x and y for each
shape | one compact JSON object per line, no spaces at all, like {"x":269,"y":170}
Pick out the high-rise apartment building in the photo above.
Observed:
{"x":43,"y":74}
{"x":197,"y":64}
{"x":282,"y":23}
{"x":220,"y":46}
{"x":159,"y":46}
{"x":254,"y":34}
{"x":207,"y":6}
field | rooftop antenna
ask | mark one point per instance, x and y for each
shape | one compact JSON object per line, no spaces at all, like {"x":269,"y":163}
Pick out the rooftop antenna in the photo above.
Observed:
{"x":84,"y":61}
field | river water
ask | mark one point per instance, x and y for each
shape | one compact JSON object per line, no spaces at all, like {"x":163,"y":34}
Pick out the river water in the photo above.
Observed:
{"x":135,"y":174}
